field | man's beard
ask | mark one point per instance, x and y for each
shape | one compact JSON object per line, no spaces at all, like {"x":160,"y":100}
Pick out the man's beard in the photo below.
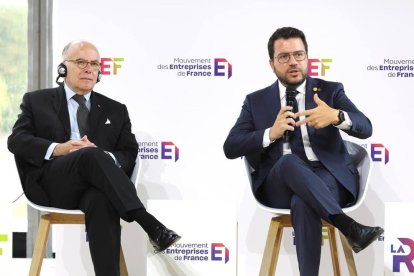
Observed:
{"x":284,"y":80}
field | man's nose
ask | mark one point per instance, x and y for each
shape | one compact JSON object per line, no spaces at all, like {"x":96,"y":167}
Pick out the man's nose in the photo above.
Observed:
{"x":88,"y":68}
{"x":292,"y":61}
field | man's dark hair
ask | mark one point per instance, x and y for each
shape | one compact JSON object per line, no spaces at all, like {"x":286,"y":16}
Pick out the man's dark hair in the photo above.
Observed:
{"x":285,"y":33}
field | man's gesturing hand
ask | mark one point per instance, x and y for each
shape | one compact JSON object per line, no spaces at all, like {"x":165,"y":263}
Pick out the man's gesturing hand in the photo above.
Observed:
{"x":320,"y":116}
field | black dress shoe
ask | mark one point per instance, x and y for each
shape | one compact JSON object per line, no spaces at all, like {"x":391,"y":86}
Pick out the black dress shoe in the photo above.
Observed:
{"x":163,"y":238}
{"x":360,"y":236}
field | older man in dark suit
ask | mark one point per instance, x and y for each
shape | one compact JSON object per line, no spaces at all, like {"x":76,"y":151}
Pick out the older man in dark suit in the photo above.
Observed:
{"x":74,"y":150}
{"x":302,"y":164}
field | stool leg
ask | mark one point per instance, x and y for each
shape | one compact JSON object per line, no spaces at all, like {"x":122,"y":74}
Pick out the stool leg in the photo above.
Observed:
{"x":272,"y":247}
{"x":40,"y":246}
{"x":349,"y":257}
{"x":122,"y":264}
{"x":334,"y":250}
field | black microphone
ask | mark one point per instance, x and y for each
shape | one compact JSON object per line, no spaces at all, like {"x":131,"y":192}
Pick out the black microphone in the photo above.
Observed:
{"x":290,"y":99}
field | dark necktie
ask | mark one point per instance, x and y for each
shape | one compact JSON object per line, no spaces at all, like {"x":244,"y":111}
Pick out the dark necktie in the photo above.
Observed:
{"x":295,"y":141}
{"x":81,"y":114}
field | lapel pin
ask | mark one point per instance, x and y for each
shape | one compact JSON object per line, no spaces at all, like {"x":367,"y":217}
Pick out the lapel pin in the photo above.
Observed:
{"x":108,"y":122}
{"x":316,"y":89}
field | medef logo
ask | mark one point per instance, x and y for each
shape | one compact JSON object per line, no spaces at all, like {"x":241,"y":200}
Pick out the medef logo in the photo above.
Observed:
{"x":111,"y":65}
{"x":379,"y":153}
{"x":219,"y":252}
{"x":169,"y":151}
{"x":158,"y":150}
{"x":222,"y":68}
{"x":199,"y":67}
{"x":403,"y":254}
{"x":317,"y":67}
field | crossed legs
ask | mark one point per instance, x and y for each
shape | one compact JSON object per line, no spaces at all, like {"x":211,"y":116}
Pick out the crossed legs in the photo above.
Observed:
{"x":312,"y":194}
{"x":88,"y":179}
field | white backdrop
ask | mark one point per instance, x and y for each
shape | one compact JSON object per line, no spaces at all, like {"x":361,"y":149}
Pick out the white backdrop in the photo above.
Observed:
{"x":196,"y":113}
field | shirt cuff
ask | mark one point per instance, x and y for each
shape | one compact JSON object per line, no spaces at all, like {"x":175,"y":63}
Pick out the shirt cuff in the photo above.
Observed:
{"x":266,"y":139}
{"x":347,"y":124}
{"x":49,"y":152}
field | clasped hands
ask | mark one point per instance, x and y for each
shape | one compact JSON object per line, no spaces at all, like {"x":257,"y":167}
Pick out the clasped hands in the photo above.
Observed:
{"x":319,"y":117}
{"x":72,"y":145}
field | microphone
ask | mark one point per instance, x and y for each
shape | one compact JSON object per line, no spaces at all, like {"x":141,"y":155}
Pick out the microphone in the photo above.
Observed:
{"x":290,"y":99}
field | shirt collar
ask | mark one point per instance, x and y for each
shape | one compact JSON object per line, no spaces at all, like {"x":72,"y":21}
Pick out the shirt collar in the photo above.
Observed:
{"x":69,"y":93}
{"x":282,"y":89}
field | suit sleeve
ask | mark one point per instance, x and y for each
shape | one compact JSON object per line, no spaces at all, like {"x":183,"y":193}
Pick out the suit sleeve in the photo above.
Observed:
{"x":244,"y":138}
{"x":361,"y":125}
{"x":23,"y":141}
{"x":126,"y":149}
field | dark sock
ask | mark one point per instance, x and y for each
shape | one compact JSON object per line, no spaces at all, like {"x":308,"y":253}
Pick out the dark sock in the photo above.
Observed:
{"x":342,"y":222}
{"x":147,"y":221}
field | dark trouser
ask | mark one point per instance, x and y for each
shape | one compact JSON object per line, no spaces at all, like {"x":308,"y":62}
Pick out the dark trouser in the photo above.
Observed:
{"x":312,"y":193}
{"x":89,"y":180}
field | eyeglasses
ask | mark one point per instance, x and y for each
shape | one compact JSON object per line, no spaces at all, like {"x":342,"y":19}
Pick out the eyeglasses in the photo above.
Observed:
{"x":285,"y":57}
{"x":81,"y":63}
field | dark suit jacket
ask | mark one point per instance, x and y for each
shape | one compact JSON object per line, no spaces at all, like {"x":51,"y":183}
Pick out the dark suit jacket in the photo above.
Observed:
{"x":259,"y":112}
{"x":44,"y":119}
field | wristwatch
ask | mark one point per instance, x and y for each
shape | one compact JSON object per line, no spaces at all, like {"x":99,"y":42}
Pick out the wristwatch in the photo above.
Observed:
{"x":341,"y":117}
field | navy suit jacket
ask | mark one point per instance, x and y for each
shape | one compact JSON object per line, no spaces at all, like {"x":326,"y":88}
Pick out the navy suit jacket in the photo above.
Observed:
{"x":259,"y":112}
{"x":44,"y":119}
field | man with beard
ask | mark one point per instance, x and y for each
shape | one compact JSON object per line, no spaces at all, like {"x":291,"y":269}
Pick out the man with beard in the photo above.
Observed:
{"x":299,"y":158}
